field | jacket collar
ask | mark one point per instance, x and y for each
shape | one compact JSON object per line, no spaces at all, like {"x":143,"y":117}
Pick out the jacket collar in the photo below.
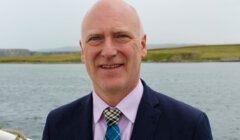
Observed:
{"x":85,"y":131}
{"x":149,"y":110}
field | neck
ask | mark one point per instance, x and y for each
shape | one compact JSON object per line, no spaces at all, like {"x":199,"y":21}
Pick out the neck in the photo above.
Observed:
{"x":112,"y":98}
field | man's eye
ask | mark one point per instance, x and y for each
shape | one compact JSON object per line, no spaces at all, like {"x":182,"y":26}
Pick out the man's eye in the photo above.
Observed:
{"x":94,"y":40}
{"x":123,"y":38}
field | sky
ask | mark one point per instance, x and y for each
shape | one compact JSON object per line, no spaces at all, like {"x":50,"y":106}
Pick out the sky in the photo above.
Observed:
{"x":46,"y":24}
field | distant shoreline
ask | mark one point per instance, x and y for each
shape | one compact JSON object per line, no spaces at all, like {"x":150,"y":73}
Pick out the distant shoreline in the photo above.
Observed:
{"x":199,"y":53}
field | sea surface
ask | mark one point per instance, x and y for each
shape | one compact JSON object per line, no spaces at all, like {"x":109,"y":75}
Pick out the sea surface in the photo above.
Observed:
{"x":29,"y":91}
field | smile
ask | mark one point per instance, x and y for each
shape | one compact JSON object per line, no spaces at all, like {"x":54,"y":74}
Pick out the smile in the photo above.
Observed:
{"x":111,"y":66}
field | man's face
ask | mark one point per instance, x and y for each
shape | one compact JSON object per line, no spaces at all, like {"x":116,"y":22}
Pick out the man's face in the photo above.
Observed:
{"x":112,"y":48}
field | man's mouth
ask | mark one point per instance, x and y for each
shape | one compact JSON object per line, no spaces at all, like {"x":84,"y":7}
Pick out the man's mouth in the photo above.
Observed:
{"x":110,"y":66}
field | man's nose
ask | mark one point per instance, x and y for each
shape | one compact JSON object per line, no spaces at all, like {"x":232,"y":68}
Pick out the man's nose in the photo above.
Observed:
{"x":108,"y":49}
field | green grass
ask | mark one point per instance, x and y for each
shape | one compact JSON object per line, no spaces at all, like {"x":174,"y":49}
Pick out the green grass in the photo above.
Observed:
{"x":49,"y":58}
{"x":201,"y":53}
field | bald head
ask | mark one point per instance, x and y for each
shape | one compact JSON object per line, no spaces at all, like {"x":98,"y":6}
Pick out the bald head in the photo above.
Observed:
{"x":113,"y":45}
{"x":117,"y":10}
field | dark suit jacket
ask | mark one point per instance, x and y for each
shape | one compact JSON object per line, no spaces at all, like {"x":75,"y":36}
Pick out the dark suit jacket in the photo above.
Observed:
{"x":159,"y":117}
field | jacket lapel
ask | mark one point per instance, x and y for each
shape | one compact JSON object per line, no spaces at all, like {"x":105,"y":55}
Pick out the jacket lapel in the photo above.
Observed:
{"x":148,"y":115}
{"x":83,"y":129}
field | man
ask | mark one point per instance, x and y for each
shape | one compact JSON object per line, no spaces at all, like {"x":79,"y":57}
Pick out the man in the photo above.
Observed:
{"x":121,"y":105}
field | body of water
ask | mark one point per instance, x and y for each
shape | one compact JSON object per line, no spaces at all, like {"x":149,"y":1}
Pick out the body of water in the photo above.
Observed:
{"x":29,"y":91}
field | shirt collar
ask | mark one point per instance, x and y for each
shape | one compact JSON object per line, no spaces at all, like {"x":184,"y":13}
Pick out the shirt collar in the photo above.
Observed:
{"x":128,"y":105}
{"x":98,"y":106}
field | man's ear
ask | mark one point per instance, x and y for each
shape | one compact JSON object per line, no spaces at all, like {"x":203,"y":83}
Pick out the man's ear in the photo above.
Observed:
{"x":82,"y":52}
{"x":144,"y":46}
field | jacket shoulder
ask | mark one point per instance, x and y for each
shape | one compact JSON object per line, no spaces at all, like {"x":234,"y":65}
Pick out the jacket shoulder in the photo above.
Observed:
{"x":67,"y":110}
{"x":182,"y":120}
{"x":65,"y":122}
{"x":174,"y":107}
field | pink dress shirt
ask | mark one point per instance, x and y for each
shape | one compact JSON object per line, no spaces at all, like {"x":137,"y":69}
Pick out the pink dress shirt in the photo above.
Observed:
{"x":128,"y":106}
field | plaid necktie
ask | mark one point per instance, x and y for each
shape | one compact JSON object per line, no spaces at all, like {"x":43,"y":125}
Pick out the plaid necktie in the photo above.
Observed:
{"x":112,"y":116}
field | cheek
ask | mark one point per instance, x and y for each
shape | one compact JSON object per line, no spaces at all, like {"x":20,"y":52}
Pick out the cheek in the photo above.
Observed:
{"x":91,"y":54}
{"x":89,"y":61}
{"x":133,"y":58}
{"x":136,"y":53}
{"x":131,"y":49}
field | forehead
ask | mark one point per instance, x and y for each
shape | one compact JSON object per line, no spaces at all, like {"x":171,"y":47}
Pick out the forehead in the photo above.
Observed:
{"x":114,"y":30}
{"x":110,"y":18}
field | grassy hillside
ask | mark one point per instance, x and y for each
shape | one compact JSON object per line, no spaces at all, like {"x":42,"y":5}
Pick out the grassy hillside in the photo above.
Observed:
{"x":203,"y":53}
{"x":195,"y":54}
{"x":49,"y":58}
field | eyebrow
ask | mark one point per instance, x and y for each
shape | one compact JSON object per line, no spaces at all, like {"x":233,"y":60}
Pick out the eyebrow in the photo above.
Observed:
{"x":113,"y":32}
{"x":93,"y":35}
{"x":122,"y":31}
{"x":131,"y":35}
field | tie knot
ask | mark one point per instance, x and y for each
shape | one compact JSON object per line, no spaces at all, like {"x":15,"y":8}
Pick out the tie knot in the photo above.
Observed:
{"x":112,"y":115}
